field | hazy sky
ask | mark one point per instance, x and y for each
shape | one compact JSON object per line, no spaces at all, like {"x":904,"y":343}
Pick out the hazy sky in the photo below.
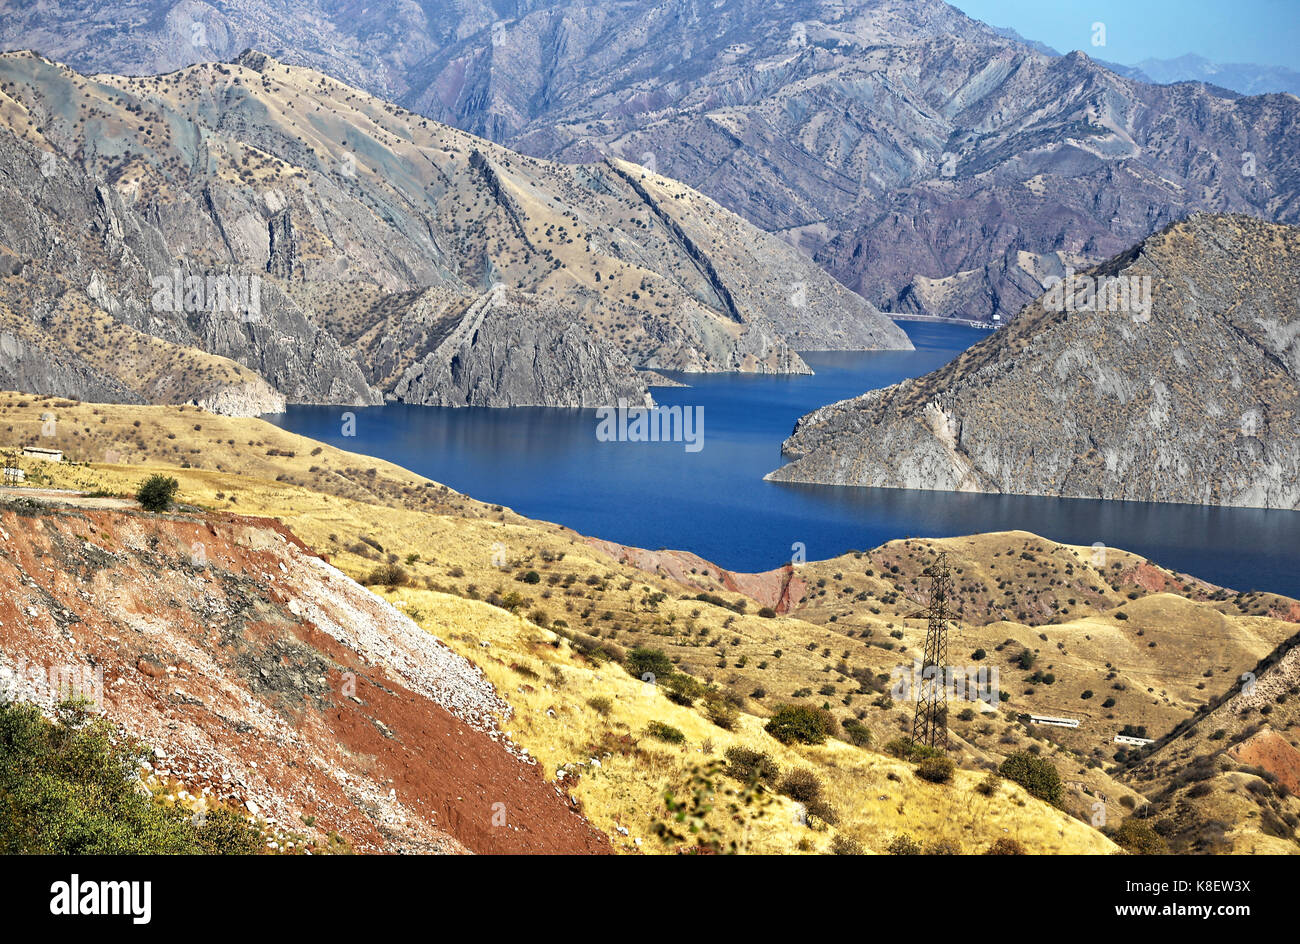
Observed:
{"x":1260,"y":31}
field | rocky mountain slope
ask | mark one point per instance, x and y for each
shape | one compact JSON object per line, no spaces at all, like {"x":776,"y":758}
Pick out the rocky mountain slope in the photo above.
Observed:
{"x":1192,"y":398}
{"x":928,"y":161}
{"x":250,"y":233}
{"x":268,"y":682}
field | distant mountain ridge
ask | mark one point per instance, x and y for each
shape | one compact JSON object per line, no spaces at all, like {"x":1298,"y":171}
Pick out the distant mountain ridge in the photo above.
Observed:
{"x":388,"y":256}
{"x":1194,"y":397}
{"x":929,"y":162}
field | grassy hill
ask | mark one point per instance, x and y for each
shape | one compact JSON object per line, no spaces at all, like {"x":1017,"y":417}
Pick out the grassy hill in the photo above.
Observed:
{"x":549,"y":615}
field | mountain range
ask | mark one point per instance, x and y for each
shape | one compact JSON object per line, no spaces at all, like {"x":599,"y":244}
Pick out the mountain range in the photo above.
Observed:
{"x":929,"y":162}
{"x":245,"y":234}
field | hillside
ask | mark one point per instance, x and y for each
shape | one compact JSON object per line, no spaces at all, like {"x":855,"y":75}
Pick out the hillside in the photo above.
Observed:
{"x":555,"y":647}
{"x":255,"y":233}
{"x":548,"y":615}
{"x":928,"y":161}
{"x":1190,"y":395}
{"x":1229,"y":779}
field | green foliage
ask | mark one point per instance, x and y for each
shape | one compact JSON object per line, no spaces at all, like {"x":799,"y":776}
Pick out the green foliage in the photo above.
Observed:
{"x":800,"y":723}
{"x":1137,"y":837}
{"x":662,"y":731}
{"x":1035,"y":774}
{"x":722,"y":713}
{"x":600,"y":704}
{"x":936,"y":769}
{"x":643,"y":659}
{"x":69,"y":787}
{"x":157,"y":492}
{"x":857,"y":732}
{"x":751,"y":767}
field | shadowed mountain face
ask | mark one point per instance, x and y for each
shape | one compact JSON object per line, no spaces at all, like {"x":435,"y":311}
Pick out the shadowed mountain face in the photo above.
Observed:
{"x":929,"y":162}
{"x":265,"y":232}
{"x":1170,"y":373}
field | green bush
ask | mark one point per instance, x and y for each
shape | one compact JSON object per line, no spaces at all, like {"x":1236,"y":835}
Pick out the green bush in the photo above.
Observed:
{"x":600,"y":704}
{"x":664,"y":732}
{"x":857,"y":732}
{"x":1036,"y":775}
{"x":68,"y":787}
{"x":157,"y":493}
{"x":1137,"y":837}
{"x":800,"y":723}
{"x":722,"y":713}
{"x":643,"y":659}
{"x":751,"y":767}
{"x":936,"y":769}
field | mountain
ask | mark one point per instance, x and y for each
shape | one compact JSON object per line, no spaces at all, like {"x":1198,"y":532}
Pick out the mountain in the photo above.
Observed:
{"x":1244,"y":77}
{"x":252,"y":233}
{"x":1178,"y":381}
{"x":929,"y":162}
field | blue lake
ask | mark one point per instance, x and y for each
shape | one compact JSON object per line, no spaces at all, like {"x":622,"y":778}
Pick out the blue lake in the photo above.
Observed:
{"x":548,"y":464}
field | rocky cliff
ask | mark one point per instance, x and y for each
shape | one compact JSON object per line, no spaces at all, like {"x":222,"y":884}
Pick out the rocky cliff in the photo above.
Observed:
{"x":1094,"y":393}
{"x":258,"y":223}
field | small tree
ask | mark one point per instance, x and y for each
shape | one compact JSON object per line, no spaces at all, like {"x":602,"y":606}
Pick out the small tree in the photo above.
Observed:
{"x":643,"y":659}
{"x":1036,"y":775}
{"x":157,"y":493}
{"x":807,"y":725}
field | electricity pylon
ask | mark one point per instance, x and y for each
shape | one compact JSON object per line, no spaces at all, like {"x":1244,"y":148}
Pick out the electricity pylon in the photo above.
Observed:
{"x":930,"y":723}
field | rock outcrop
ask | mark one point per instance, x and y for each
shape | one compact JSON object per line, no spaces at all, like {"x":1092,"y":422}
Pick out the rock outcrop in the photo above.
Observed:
{"x":1192,"y":398}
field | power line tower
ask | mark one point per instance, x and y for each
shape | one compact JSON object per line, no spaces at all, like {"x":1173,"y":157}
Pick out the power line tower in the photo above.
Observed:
{"x":930,"y":723}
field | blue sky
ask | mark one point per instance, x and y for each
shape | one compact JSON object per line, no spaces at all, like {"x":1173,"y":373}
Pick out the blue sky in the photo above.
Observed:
{"x":1266,"y":32}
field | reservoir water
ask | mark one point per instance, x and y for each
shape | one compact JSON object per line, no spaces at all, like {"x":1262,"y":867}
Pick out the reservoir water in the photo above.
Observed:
{"x":549,"y":464}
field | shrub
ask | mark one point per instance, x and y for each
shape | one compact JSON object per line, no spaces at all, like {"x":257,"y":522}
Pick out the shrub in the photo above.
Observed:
{"x":766,"y":612}
{"x":68,"y":787}
{"x":1137,"y":837}
{"x":722,"y":713}
{"x":800,"y":723}
{"x":845,"y":845}
{"x":936,"y":769}
{"x":989,"y":785}
{"x":642,"y":660}
{"x":802,"y":785}
{"x":600,"y":704}
{"x":664,"y":732}
{"x":387,"y":575}
{"x":752,"y":767}
{"x":857,"y":732}
{"x":903,"y":844}
{"x":1036,"y":775}
{"x":157,"y":493}
{"x":1006,"y":846}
